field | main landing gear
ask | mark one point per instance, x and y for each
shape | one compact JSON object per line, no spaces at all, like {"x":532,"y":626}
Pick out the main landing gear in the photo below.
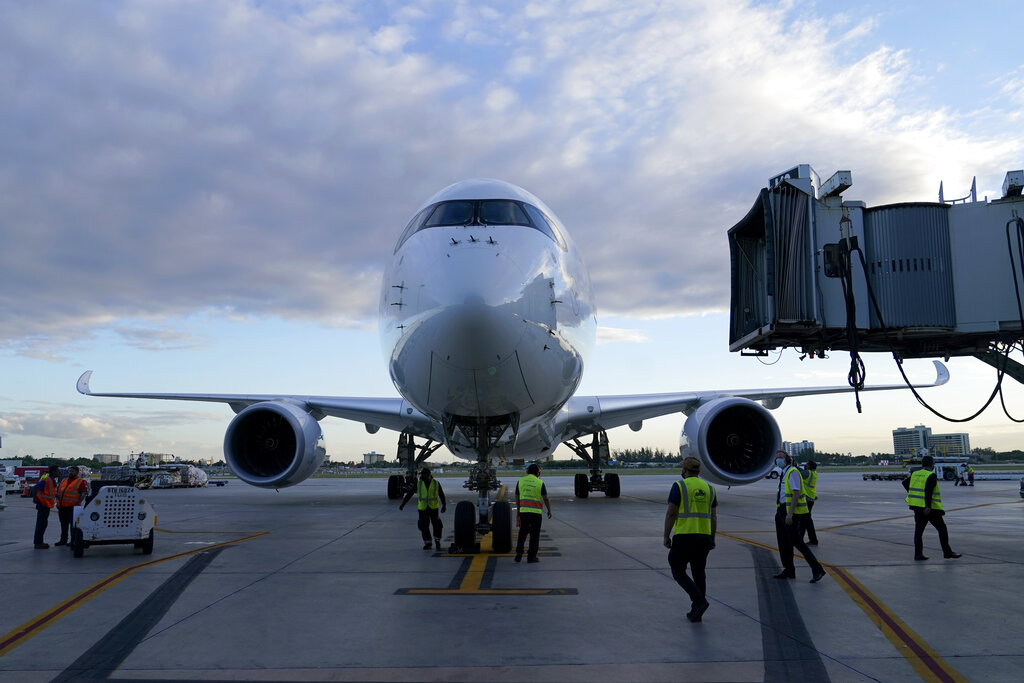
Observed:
{"x":594,"y":454}
{"x":398,"y":485}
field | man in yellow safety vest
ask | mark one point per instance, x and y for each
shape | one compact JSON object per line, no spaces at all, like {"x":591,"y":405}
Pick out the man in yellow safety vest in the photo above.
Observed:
{"x":531,"y":497}
{"x":429,"y":497}
{"x":790,"y":520}
{"x":925,"y":500}
{"x":691,"y":521}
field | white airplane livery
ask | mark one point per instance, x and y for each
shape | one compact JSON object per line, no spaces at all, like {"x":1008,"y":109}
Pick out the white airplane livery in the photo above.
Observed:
{"x":486,"y":322}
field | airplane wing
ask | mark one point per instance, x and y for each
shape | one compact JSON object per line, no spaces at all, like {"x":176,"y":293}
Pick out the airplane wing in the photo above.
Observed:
{"x":585,"y":414}
{"x":389,"y":413}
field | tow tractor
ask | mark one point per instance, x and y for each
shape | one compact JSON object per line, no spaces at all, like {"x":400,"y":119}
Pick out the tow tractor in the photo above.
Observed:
{"x":114,"y":514}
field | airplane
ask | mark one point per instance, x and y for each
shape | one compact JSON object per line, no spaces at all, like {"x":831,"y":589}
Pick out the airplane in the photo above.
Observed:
{"x":486,"y":321}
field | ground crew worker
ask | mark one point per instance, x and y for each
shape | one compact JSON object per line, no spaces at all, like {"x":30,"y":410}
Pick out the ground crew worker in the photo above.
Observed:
{"x":970,"y":475}
{"x":531,"y":497}
{"x":925,"y":500}
{"x":790,"y":518}
{"x":810,"y":484}
{"x":44,"y":493}
{"x":71,"y":491}
{"x":691,"y":521}
{"x":429,"y":497}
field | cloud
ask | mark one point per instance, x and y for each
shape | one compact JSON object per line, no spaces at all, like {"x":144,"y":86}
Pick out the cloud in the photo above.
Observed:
{"x":163,"y":160}
{"x":611,"y":335}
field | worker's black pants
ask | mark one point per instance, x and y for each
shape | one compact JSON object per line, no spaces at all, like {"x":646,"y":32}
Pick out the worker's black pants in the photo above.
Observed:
{"x":789,"y":537}
{"x":429,"y":517}
{"x":66,"y":514}
{"x":42,"y":521}
{"x":529,"y":525}
{"x":692,"y":550}
{"x":921,"y":520}
{"x":809,"y":524}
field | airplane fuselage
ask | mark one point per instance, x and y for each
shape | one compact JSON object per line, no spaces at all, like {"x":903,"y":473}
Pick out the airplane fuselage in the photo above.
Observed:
{"x":487,"y":318}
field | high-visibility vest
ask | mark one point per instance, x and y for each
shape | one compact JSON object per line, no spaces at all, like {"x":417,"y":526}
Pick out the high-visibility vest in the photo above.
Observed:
{"x":696,"y":497}
{"x":915,"y":495}
{"x":811,"y":484}
{"x":801,"y":503}
{"x":426,"y":495}
{"x":45,"y":496}
{"x":530,"y":499}
{"x":70,"y":492}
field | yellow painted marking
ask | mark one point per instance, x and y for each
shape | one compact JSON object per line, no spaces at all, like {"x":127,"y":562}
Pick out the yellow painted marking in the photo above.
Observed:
{"x":37,"y":624}
{"x":928,"y":664}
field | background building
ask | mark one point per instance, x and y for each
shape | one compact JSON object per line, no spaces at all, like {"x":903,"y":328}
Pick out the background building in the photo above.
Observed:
{"x":372,"y":458}
{"x":796,"y":448}
{"x":913,"y":441}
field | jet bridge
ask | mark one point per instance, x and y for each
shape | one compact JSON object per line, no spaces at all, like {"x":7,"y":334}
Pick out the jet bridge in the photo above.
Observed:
{"x":920,"y":279}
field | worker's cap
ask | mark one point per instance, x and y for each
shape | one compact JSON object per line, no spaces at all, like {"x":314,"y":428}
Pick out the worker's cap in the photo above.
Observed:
{"x":927,"y":461}
{"x":812,"y":465}
{"x":691,"y":464}
{"x":425,"y":470}
{"x":533,"y":469}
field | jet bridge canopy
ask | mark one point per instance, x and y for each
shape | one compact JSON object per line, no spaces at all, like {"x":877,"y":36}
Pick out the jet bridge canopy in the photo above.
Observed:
{"x":814,"y":272}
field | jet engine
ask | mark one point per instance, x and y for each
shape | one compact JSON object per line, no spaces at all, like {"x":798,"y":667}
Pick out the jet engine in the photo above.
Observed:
{"x":734,"y":438}
{"x":273,"y":444}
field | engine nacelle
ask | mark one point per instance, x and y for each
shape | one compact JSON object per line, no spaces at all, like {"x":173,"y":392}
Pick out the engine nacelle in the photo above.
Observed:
{"x":273,"y":444}
{"x":734,"y":438}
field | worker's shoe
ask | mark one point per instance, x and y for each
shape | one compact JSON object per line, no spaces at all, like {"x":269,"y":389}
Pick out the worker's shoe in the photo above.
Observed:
{"x":532,"y":560}
{"x":428,"y":546}
{"x":519,"y":558}
{"x":785,"y":575}
{"x":818,"y":576}
{"x":437,"y":544}
{"x":812,"y":543}
{"x":951,"y":555}
{"x":42,"y":546}
{"x":60,"y":542}
{"x":920,"y":557}
{"x":699,"y":608}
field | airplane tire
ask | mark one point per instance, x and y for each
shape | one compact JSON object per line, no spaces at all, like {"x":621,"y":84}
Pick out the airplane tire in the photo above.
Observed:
{"x":501,"y":527}
{"x":465,"y":525}
{"x":147,"y":544}
{"x":581,"y":485}
{"x":611,"y":485}
{"x":395,"y":482}
{"x":77,"y":543}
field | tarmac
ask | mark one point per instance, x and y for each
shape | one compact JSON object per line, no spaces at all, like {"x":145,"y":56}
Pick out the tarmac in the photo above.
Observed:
{"x":328,"y":581}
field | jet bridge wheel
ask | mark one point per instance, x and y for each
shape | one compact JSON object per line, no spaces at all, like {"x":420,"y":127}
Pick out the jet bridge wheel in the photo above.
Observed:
{"x":77,"y":542}
{"x":581,"y":485}
{"x":611,"y":485}
{"x":395,"y":483}
{"x":465,"y":525}
{"x":501,"y":527}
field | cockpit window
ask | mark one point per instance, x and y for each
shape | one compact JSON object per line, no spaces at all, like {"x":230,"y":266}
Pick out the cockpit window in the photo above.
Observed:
{"x":450,"y":213}
{"x":502,"y":212}
{"x":481,"y":213}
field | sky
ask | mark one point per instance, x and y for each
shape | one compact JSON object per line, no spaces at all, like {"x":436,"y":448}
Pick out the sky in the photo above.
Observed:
{"x":202,"y":197}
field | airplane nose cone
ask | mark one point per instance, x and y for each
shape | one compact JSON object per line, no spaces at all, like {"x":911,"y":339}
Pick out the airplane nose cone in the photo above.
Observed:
{"x":474,"y":276}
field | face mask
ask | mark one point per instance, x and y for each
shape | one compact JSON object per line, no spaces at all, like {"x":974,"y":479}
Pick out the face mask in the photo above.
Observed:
{"x":780,"y":461}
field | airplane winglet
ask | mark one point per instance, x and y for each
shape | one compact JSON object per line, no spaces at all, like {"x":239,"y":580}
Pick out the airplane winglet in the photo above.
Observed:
{"x":83,"y":383}
{"x":941,"y":373}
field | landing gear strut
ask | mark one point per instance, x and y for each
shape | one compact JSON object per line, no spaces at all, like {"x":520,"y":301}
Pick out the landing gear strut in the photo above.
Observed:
{"x":594,"y":454}
{"x":398,"y":485}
